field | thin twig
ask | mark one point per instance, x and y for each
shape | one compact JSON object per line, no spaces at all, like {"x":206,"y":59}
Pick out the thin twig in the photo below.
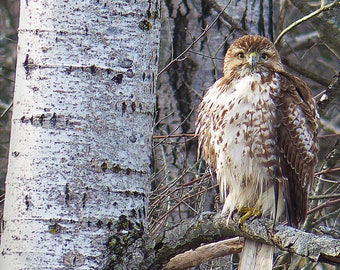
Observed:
{"x":6,"y":110}
{"x":327,"y":171}
{"x":305,"y":72}
{"x":328,"y":136}
{"x":284,"y":7}
{"x":326,"y":204}
{"x":206,"y":55}
{"x":328,"y":217}
{"x":182,"y":200}
{"x":325,"y":196}
{"x":322,"y":137}
{"x":173,"y":136}
{"x":305,"y":18}
{"x":332,"y":91}
{"x":195,"y":41}
{"x":171,"y":133}
{"x":229,"y":19}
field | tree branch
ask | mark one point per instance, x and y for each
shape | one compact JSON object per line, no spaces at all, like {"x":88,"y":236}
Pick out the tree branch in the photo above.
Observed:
{"x":305,"y":72}
{"x":195,"y":41}
{"x":229,"y":19}
{"x":211,"y":227}
{"x":304,"y":19}
{"x":328,"y":29}
{"x":205,"y":253}
{"x":332,"y":91}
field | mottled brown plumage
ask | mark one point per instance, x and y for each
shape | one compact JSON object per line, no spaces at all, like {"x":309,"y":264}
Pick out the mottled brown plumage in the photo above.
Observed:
{"x":257,"y":127}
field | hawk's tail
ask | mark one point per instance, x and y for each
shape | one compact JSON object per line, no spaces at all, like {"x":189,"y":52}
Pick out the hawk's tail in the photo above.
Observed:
{"x":256,"y":256}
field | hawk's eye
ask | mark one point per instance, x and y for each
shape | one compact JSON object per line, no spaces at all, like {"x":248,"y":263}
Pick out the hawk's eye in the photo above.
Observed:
{"x":265,"y":56}
{"x":240,"y":55}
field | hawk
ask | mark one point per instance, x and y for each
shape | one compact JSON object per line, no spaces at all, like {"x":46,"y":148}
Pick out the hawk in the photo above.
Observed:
{"x":257,"y":126}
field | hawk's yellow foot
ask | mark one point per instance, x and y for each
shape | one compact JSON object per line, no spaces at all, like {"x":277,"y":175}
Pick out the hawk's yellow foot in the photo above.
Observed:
{"x":247,"y":213}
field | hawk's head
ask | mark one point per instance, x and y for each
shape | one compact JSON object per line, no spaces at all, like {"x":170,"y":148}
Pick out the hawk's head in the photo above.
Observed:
{"x":251,"y":54}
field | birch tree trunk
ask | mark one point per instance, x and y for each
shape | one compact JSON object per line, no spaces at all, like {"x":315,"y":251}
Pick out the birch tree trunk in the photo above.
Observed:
{"x":79,"y":167}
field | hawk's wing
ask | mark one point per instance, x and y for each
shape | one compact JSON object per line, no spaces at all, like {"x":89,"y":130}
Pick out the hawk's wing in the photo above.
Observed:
{"x":204,"y":123}
{"x":297,"y":142}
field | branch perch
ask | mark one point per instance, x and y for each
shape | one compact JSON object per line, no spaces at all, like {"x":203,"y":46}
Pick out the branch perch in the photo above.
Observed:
{"x":211,"y":227}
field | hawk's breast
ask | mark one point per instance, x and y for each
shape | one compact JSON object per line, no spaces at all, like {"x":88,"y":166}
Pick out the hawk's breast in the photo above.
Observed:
{"x":239,"y":138}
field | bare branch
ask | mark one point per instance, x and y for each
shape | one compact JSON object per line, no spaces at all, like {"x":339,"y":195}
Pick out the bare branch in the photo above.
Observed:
{"x":192,"y":135}
{"x":6,"y":110}
{"x":304,"y":19}
{"x":211,"y":227}
{"x":333,"y":90}
{"x":329,"y":136}
{"x":327,"y":171}
{"x":284,"y":6}
{"x":225,"y":16}
{"x":172,"y":132}
{"x":307,"y":73}
{"x":328,"y":29}
{"x":195,"y":41}
{"x":173,"y":136}
{"x":205,"y":253}
{"x":326,"y":204}
{"x":324,"y":196}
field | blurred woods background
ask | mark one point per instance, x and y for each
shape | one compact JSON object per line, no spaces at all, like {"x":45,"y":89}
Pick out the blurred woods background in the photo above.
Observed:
{"x":195,"y":37}
{"x":182,"y":186}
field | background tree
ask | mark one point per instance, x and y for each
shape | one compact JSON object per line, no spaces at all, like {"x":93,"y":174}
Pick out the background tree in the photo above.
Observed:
{"x":76,"y":195}
{"x":182,"y":187}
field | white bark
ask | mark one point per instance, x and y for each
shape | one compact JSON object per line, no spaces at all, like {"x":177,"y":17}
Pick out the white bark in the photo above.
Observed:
{"x":81,"y":133}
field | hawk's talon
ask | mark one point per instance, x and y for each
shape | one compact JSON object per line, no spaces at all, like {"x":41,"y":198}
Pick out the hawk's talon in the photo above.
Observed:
{"x":233,"y":214}
{"x":248,"y":212}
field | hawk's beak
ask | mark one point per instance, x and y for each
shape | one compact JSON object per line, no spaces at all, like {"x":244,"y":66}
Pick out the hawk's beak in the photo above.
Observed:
{"x":253,"y":59}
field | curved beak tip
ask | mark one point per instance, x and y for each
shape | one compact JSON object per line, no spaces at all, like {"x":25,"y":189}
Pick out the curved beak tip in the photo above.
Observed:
{"x":254,"y":58}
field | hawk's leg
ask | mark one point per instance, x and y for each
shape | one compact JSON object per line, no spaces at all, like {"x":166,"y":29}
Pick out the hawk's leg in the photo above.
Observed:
{"x":247,"y":213}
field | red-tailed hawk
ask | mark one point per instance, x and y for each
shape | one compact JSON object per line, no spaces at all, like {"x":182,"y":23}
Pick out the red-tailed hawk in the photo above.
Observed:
{"x":257,"y":127}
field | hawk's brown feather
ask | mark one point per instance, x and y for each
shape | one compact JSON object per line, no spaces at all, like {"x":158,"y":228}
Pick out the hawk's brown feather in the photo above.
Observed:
{"x":297,"y":142}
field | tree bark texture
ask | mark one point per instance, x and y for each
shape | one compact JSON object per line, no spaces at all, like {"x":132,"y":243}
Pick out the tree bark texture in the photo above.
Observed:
{"x":79,"y":167}
{"x":205,"y":253}
{"x":212,"y":227}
